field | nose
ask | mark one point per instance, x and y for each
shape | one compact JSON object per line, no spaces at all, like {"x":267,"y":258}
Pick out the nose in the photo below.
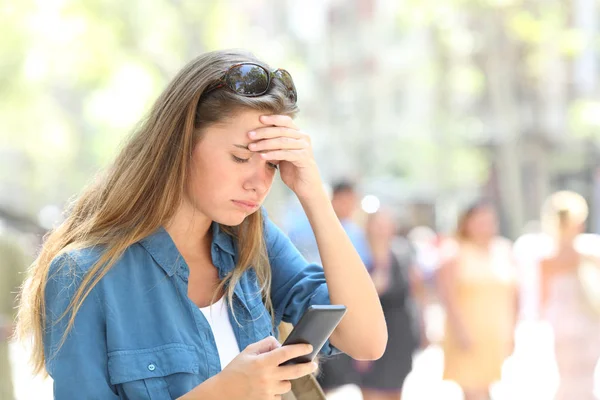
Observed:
{"x":259,"y":179}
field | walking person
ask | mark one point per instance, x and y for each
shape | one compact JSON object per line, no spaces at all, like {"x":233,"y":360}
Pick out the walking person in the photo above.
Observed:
{"x":569,"y":301}
{"x":393,"y":272}
{"x":476,"y":281}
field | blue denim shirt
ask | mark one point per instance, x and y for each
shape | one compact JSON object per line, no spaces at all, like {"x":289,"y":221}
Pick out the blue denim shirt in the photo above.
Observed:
{"x":139,"y":336}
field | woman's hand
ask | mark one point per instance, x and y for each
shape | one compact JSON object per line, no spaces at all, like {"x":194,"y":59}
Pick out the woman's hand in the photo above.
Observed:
{"x":283,"y":143}
{"x":256,"y":374}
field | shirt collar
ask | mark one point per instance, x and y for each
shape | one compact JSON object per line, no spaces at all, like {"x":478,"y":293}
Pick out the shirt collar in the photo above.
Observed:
{"x":222,"y":239}
{"x":161,"y":247}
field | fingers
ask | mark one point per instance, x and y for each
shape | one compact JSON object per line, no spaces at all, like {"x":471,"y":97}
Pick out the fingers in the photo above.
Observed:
{"x":266,"y":345}
{"x":270,"y":132}
{"x":272,"y":377}
{"x":279,"y":143}
{"x":283,"y":387}
{"x":285,"y":353}
{"x":278,"y":120}
{"x":295,"y":371}
{"x":284,"y":155}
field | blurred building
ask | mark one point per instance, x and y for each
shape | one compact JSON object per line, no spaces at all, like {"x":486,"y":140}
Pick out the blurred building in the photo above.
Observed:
{"x":427,"y":103}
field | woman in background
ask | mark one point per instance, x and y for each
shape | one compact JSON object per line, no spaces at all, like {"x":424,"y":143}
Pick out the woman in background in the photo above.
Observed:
{"x":477,"y":283}
{"x":393,"y":274}
{"x":565,"y":302}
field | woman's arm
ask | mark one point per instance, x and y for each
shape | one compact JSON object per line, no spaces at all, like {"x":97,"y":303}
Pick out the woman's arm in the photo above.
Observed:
{"x":544,"y":278}
{"x":362,"y":334}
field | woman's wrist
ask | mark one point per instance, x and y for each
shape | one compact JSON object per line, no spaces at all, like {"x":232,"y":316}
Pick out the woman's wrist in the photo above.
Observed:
{"x":318,"y":198}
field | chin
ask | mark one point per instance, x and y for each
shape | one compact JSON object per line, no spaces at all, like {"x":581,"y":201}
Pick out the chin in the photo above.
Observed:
{"x":230,"y":219}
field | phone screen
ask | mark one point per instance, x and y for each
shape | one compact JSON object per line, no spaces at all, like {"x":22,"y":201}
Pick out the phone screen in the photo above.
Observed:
{"x":314,"y":328}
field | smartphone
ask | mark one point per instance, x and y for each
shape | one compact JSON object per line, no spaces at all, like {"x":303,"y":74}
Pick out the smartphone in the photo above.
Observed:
{"x":314,"y":328}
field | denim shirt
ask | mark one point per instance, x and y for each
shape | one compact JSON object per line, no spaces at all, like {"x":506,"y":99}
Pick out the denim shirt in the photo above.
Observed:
{"x":138,"y":335}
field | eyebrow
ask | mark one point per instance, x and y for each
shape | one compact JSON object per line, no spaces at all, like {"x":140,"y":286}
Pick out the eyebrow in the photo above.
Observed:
{"x":241,"y":146}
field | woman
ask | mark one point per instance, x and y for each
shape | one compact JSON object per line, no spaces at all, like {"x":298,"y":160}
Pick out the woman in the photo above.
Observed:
{"x":479,"y":291}
{"x":166,"y":279}
{"x":393,"y":275}
{"x":565,"y":303}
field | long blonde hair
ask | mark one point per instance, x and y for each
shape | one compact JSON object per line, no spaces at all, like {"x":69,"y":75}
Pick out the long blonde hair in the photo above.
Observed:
{"x":144,"y":186}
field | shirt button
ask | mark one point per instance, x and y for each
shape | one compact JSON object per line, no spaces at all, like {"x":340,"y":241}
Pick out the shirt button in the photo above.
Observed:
{"x":151,"y":367}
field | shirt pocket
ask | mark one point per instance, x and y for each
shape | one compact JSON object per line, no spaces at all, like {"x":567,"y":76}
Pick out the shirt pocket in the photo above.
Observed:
{"x":144,"y":373}
{"x":261,"y":320}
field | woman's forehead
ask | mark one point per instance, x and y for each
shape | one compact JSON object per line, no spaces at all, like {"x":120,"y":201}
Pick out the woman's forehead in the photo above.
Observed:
{"x":236,"y":128}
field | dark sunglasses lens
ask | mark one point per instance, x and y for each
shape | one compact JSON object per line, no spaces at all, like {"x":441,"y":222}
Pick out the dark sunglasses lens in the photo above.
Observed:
{"x":247,"y":79}
{"x":288,"y":82}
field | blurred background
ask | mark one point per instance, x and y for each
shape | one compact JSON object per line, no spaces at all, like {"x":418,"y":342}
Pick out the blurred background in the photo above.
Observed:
{"x":423,"y":105}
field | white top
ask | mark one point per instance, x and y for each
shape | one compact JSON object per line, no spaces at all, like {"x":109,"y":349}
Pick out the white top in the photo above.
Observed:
{"x":218,"y":318}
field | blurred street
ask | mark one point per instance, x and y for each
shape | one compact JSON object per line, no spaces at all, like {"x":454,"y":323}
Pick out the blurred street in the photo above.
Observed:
{"x":457,"y":143}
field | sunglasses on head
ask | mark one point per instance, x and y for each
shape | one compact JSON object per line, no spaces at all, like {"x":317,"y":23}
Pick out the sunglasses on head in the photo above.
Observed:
{"x":253,"y":80}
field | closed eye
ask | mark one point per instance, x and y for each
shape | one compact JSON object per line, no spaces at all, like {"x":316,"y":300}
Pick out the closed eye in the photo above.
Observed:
{"x":240,"y":160}
{"x":245,"y":160}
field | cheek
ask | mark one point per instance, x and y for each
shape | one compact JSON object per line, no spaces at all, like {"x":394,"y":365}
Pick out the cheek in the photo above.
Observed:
{"x":214,"y":164}
{"x":208,"y":177}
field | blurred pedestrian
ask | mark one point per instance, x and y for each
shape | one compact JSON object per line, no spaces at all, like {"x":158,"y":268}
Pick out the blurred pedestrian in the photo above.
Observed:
{"x":425,"y":243}
{"x":477,"y":284}
{"x":337,"y":370}
{"x":569,"y":288}
{"x":394,"y":274}
{"x":12,"y":264}
{"x":301,"y":234}
{"x":345,"y":203}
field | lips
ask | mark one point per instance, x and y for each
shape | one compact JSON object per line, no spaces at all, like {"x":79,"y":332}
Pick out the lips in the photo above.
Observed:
{"x":249,"y":204}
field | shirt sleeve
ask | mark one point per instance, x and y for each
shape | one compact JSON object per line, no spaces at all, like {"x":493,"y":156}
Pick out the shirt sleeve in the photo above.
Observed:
{"x":295,"y":284}
{"x":78,"y":366}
